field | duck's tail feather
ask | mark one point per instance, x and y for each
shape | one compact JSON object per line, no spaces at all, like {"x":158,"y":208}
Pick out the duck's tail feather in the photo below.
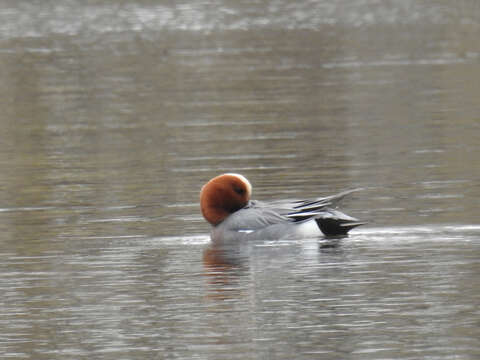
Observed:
{"x":329,"y":220}
{"x":323,"y":201}
{"x":333,"y":222}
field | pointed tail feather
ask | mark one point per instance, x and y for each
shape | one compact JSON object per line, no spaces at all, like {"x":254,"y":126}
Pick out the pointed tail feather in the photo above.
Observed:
{"x":333,"y":222}
{"x":330,"y":227}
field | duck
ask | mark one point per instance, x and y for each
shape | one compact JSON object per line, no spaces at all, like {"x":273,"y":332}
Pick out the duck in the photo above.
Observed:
{"x":225,"y":203}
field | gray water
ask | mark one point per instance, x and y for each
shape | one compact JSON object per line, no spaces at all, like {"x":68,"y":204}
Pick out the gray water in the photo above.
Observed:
{"x":113,"y":115}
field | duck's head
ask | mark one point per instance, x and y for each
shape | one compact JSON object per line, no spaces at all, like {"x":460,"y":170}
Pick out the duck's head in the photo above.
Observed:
{"x":223,"y":195}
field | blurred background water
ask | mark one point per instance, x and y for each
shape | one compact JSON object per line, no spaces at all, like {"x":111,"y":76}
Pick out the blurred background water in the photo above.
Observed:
{"x":115,"y":113}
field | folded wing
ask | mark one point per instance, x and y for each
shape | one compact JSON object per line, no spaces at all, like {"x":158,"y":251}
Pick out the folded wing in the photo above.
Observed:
{"x":330,"y":220}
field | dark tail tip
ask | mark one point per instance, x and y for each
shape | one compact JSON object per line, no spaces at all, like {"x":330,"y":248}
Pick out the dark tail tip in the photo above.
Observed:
{"x":336,"y":227}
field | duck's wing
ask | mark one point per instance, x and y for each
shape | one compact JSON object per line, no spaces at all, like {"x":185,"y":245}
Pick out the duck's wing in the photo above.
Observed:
{"x":323,"y":210}
{"x":299,"y":210}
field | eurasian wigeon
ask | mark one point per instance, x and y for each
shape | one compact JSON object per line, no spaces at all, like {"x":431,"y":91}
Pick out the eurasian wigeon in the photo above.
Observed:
{"x":226,"y":205}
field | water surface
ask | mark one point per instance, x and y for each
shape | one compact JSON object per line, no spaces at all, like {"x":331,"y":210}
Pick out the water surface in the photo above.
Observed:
{"x":114,"y":115}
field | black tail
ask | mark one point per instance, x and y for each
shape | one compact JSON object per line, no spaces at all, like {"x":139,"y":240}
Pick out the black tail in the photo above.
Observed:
{"x":333,"y":222}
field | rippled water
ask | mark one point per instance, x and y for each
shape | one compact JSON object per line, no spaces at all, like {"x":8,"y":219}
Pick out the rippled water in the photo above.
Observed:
{"x":114,"y":115}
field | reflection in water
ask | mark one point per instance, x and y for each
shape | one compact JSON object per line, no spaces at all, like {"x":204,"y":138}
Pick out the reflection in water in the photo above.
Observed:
{"x":113,"y":115}
{"x":223,"y":265}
